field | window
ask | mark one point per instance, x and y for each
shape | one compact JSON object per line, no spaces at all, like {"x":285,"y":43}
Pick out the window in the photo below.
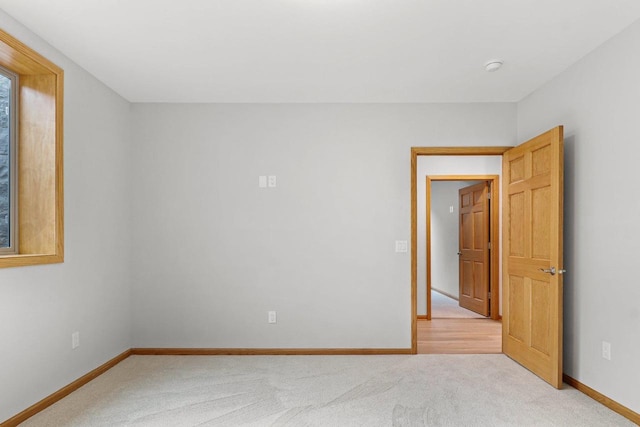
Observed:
{"x":31,"y":175}
{"x":8,"y":155}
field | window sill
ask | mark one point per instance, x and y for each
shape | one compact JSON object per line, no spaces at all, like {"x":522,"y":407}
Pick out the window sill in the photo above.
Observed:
{"x":22,"y":260}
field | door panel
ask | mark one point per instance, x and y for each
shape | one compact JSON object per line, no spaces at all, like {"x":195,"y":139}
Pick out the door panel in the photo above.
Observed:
{"x":513,"y":320}
{"x":532,"y":242}
{"x":474,"y":264}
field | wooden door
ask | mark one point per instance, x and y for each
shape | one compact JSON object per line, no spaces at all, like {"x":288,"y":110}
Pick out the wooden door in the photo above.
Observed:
{"x":474,"y":263}
{"x":532,"y":176}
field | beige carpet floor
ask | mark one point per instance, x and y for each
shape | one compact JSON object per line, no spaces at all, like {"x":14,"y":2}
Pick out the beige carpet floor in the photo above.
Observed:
{"x":422,"y":390}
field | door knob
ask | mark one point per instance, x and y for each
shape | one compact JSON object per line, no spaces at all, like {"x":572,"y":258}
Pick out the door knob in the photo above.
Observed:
{"x":552,"y":271}
{"x":459,"y":253}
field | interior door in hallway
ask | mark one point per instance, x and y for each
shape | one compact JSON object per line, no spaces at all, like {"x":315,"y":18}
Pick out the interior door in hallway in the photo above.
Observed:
{"x":473,"y":251}
{"x":532,"y":255}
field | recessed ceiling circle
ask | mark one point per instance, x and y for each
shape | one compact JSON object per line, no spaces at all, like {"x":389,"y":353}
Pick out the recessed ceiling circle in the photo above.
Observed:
{"x":493,"y":65}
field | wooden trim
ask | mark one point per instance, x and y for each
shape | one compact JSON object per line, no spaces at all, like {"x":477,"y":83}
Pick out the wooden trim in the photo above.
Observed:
{"x":64,"y":391}
{"x":59,"y":167}
{"x":428,"y":246}
{"x":22,"y":58}
{"x":422,"y":317}
{"x":28,"y":259}
{"x":431,"y":151}
{"x":40,"y":159}
{"x":496,"y":247}
{"x":458,"y":151}
{"x":267,"y":351}
{"x":462,"y":177}
{"x":414,"y":251}
{"x":599,"y":397}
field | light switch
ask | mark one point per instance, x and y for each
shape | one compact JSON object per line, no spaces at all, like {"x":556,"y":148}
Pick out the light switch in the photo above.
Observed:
{"x":272,"y":317}
{"x":272,"y":181}
{"x":262,"y":181}
{"x":401,"y":246}
{"x":450,"y":209}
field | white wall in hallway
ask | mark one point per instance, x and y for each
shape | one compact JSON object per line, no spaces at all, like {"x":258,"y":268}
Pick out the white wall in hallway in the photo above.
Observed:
{"x":445,"y":232}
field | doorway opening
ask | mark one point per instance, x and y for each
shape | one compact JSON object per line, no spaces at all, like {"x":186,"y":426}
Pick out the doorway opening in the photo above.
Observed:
{"x":477,"y":256}
{"x":532,"y":175}
{"x":437,"y":151}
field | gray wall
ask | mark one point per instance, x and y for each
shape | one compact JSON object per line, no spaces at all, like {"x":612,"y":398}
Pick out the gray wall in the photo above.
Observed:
{"x":598,"y":101}
{"x":41,"y":306}
{"x":213,"y":252}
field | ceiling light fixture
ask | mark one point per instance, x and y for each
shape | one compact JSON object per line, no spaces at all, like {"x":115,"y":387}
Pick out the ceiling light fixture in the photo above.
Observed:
{"x":492,"y":66}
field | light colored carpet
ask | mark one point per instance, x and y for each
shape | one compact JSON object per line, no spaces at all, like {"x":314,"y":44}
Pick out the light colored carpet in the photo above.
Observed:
{"x":444,"y":307}
{"x":422,"y":390}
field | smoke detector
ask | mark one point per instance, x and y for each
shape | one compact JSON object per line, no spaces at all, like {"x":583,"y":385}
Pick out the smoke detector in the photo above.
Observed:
{"x":493,"y":65}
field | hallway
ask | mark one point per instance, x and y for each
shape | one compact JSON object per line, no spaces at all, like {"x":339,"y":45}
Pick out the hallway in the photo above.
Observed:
{"x":454,"y":330}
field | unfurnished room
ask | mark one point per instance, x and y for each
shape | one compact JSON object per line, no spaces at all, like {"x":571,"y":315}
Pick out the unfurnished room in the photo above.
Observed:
{"x":319,"y":213}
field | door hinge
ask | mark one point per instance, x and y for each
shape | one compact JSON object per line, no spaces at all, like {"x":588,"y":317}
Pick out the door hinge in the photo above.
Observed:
{"x":488,"y":195}
{"x":489,"y":245}
{"x":489,"y":295}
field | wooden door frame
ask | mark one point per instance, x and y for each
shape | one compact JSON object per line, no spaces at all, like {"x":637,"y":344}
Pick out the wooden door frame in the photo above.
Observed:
{"x":494,"y":220}
{"x":431,"y":151}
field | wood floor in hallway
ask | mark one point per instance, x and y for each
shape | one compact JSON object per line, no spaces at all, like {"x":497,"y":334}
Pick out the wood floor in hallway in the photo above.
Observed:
{"x":459,"y":336}
{"x":445,"y":307}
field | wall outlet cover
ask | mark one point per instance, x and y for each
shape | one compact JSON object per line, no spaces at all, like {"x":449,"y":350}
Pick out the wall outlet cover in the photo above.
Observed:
{"x":75,"y":340}
{"x":606,"y":350}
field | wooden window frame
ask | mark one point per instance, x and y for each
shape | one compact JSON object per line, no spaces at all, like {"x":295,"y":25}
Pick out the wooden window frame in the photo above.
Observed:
{"x":40,"y":157}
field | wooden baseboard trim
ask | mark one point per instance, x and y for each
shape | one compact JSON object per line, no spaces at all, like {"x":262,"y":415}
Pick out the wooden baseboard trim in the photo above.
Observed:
{"x":267,"y":351}
{"x":421,"y":317}
{"x":64,"y":391}
{"x":609,"y":403}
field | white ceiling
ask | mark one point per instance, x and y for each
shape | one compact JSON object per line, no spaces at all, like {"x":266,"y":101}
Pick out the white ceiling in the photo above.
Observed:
{"x":323,"y":50}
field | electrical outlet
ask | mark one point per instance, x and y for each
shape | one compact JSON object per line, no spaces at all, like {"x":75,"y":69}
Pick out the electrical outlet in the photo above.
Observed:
{"x":272,"y":317}
{"x":75,"y":340}
{"x":272,"y":181}
{"x":606,"y":350}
